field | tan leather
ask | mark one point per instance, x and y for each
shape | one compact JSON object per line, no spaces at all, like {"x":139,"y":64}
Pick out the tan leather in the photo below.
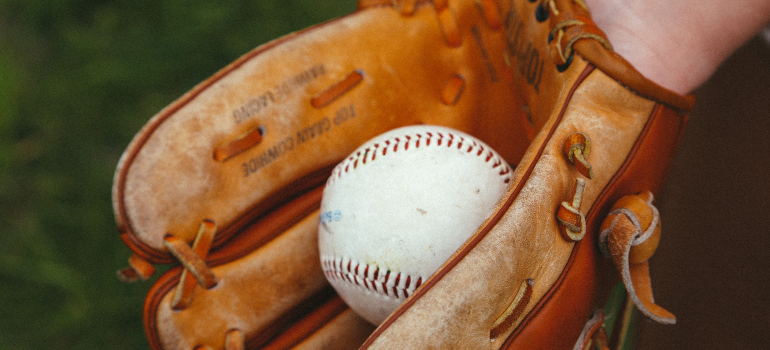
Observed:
{"x":250,"y":147}
{"x":586,"y":275}
{"x":168,"y":179}
{"x":633,"y":140}
{"x":508,"y":250}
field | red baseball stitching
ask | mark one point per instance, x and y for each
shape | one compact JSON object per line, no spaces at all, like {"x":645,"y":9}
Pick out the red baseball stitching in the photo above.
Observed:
{"x":370,"y":277}
{"x":446,"y":139}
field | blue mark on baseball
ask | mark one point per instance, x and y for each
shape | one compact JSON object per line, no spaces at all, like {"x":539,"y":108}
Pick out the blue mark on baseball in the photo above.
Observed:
{"x":331,"y":215}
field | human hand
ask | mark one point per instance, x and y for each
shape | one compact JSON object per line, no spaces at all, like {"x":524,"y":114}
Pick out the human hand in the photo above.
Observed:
{"x":679,"y":44}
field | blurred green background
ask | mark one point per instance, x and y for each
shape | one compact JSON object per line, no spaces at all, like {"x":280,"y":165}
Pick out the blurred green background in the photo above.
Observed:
{"x":78,"y":78}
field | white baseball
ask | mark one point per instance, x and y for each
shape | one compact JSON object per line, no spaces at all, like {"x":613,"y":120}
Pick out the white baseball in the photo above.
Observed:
{"x":395,"y":210}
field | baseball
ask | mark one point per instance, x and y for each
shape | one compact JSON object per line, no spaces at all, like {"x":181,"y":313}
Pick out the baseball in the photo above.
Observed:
{"x":398,"y":207}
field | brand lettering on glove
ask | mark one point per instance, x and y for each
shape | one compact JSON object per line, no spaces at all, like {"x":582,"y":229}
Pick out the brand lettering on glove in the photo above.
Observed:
{"x":268,"y":156}
{"x":314,"y":130}
{"x":526,"y":54}
{"x":484,"y":54}
{"x":344,"y":114}
{"x":287,"y":144}
{"x":257,"y":104}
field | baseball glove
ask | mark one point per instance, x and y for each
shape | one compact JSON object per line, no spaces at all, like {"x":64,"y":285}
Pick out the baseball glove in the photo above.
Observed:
{"x":226,"y":181}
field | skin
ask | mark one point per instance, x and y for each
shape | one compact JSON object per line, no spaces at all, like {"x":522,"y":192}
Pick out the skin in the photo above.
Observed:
{"x":679,"y":44}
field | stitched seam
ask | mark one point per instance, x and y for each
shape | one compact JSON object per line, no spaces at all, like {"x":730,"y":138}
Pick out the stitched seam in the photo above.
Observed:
{"x":417,"y":140}
{"x":370,"y":277}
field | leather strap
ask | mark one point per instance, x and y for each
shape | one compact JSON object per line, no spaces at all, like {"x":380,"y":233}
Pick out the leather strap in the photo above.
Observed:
{"x":593,"y":333}
{"x":138,"y":269}
{"x":631,"y":233}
